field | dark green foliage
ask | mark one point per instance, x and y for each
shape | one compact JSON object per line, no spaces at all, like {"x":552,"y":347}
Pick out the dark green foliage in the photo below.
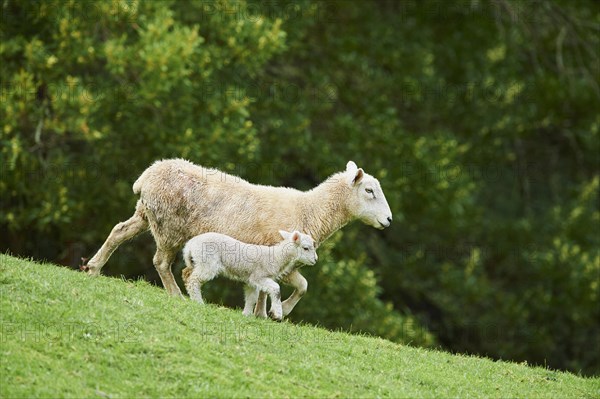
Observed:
{"x":479,"y":118}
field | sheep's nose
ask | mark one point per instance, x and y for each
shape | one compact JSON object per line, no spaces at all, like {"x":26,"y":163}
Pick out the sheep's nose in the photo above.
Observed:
{"x":390,"y":219}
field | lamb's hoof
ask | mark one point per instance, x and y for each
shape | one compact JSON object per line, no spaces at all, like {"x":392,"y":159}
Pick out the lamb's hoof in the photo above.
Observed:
{"x":275,"y":318}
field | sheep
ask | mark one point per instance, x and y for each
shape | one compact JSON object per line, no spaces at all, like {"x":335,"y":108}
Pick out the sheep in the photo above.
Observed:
{"x":179,"y":200}
{"x":212,"y":254}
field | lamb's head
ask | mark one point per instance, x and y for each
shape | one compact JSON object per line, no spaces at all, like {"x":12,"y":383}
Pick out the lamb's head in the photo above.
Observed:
{"x":303,"y":246}
{"x":367,"y":201}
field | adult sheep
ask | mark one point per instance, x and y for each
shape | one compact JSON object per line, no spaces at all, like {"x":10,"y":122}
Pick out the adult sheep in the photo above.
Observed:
{"x":179,"y":200}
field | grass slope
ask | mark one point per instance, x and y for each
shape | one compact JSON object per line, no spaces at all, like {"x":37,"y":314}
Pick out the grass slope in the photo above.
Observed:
{"x":64,"y":334}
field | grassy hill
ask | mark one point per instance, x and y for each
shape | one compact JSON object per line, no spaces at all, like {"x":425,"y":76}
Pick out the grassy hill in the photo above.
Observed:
{"x":64,"y":334}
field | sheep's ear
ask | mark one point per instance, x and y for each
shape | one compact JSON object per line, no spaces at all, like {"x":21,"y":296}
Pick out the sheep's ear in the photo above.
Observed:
{"x":351,"y":166}
{"x":351,"y":170}
{"x":295,"y":236}
{"x":356,"y":177}
{"x":284,"y":234}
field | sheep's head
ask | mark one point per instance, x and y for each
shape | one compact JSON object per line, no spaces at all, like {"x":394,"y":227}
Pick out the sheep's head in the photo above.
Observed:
{"x":303,"y":245}
{"x":367,"y":201}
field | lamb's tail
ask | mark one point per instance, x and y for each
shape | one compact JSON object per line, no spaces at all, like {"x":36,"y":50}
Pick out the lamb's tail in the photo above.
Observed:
{"x":185,"y":273}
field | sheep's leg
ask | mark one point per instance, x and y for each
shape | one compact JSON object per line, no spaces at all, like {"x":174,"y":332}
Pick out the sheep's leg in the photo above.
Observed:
{"x":162,"y":262}
{"x":250,"y":297}
{"x":120,"y":233}
{"x":260,"y":310}
{"x":272,"y":288}
{"x":296,"y":280}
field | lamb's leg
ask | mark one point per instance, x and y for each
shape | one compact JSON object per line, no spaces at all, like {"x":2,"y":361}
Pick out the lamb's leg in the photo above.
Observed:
{"x":296,"y":280}
{"x":199,"y":274}
{"x":260,"y":310}
{"x":250,"y":297}
{"x":194,"y":288}
{"x":120,"y":233}
{"x":272,"y":288}
{"x":162,"y":262}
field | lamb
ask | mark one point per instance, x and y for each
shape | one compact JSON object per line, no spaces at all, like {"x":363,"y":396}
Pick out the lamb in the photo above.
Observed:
{"x":179,"y":200}
{"x":212,"y":254}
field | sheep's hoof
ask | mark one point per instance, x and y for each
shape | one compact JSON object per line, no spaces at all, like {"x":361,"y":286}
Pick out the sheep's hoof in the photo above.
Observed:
{"x":83,"y":266}
{"x":260,"y":315}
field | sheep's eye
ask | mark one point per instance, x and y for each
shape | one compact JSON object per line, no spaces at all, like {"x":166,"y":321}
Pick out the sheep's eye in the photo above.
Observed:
{"x":368,"y":190}
{"x":306,"y":248}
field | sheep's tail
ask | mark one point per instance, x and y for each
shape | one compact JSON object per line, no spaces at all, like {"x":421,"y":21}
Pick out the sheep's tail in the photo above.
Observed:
{"x":185,"y":273}
{"x":137,"y":186}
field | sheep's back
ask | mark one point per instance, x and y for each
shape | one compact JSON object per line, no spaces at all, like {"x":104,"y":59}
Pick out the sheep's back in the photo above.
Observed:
{"x":183,"y":200}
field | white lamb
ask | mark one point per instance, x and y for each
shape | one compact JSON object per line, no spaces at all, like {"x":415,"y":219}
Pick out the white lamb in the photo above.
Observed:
{"x":258,"y":266}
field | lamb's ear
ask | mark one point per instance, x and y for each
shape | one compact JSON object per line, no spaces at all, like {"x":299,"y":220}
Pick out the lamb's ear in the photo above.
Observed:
{"x":295,"y":236}
{"x":284,"y":234}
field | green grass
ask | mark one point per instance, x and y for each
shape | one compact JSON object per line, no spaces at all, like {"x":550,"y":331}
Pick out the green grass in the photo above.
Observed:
{"x":64,"y":334}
